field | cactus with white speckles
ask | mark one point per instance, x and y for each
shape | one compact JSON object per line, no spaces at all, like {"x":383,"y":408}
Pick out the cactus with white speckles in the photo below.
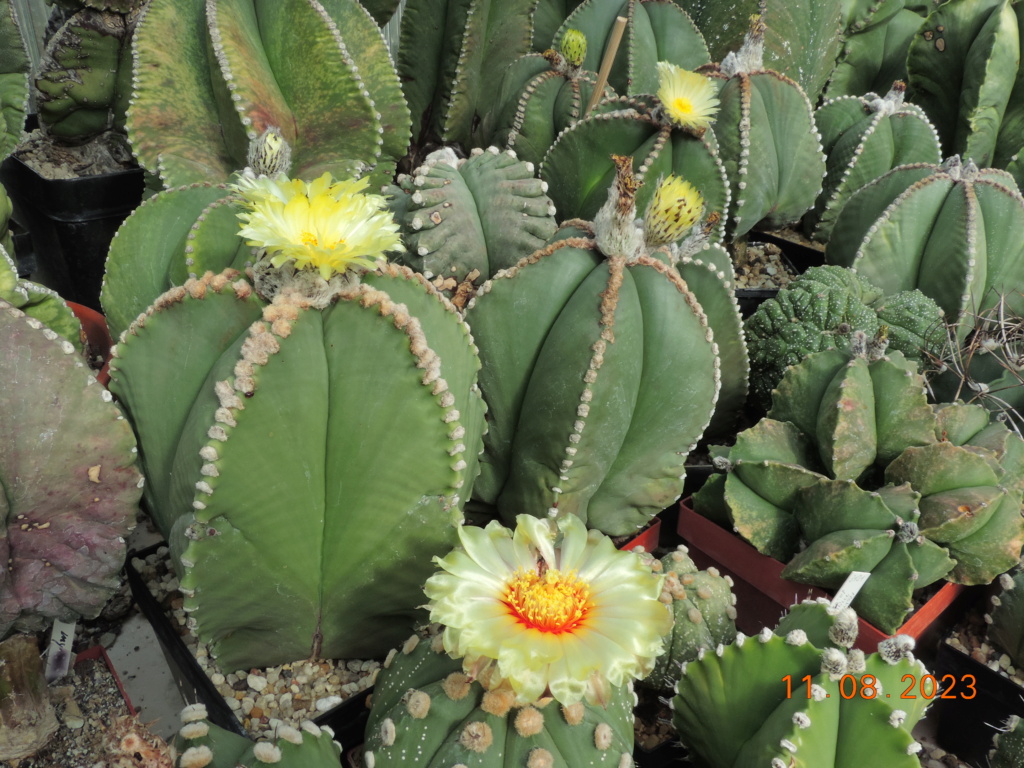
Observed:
{"x":1008,"y":745}
{"x":1005,"y":617}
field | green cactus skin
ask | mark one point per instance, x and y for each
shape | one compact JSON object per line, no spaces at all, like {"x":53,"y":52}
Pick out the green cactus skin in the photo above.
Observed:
{"x":1005,"y":617}
{"x":211,"y":76}
{"x":38,"y":301}
{"x":484,"y":213}
{"x":426,"y":711}
{"x":582,"y":376}
{"x":818,"y":309}
{"x":14,"y":67}
{"x":863,"y":138}
{"x":948,"y":230}
{"x":1008,"y":745}
{"x":548,"y":17}
{"x":655,"y":31}
{"x":541,"y":96}
{"x":731,"y":707}
{"x":354,"y":468}
{"x":70,"y":484}
{"x":451,"y":57}
{"x":704,"y":609}
{"x":311,"y":746}
{"x":963,"y":70}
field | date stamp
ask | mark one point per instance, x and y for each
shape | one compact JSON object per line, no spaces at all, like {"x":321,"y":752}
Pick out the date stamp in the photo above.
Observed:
{"x":866,"y":687}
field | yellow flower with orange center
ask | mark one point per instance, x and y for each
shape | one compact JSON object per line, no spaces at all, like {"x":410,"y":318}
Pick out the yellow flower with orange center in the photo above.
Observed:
{"x":690,"y":100}
{"x":551,"y":609}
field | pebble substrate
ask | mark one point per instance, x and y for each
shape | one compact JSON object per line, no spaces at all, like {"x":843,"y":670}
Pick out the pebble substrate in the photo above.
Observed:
{"x":262,"y":699}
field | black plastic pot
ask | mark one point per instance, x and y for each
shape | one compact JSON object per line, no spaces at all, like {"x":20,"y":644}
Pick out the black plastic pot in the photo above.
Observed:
{"x":71,"y":223}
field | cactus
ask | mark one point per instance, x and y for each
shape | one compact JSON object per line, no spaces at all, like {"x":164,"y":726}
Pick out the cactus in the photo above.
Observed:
{"x":1008,"y":745}
{"x":956,"y":228}
{"x":863,"y":138}
{"x":38,"y":302}
{"x":202,"y":743}
{"x":71,"y":488}
{"x":211,"y":77}
{"x":387,"y":382}
{"x":778,"y":700}
{"x":819,"y":309}
{"x":576,"y":422}
{"x":963,"y":70}
{"x":14,"y":67}
{"x":704,"y":609}
{"x":1005,"y":618}
{"x":477,"y":215}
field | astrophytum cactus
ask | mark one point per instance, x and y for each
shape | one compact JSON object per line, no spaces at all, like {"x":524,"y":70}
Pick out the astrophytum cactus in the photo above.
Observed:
{"x":38,"y":302}
{"x":1007,"y":745}
{"x":1005,"y":617}
{"x":14,"y":66}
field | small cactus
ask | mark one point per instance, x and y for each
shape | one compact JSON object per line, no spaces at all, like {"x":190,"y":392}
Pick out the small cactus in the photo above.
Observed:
{"x":1005,"y":617}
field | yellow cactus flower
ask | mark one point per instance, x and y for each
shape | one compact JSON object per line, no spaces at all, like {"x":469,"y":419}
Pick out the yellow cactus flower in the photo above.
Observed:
{"x":672,"y":212}
{"x":549,"y":610}
{"x":689,"y":99}
{"x":327,"y":225}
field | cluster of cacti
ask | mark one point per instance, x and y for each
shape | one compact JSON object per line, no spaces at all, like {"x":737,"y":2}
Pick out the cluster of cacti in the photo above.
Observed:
{"x":1007,"y":745}
{"x":209,"y":77}
{"x":467,"y":219}
{"x":579,"y":419}
{"x":202,"y":744}
{"x":948,"y":230}
{"x":1005,"y":618}
{"x":84,"y":78}
{"x":819,"y":309}
{"x":68,"y":475}
{"x":14,"y":67}
{"x":782,"y":699}
{"x":853,"y":461}
{"x":704,"y":612}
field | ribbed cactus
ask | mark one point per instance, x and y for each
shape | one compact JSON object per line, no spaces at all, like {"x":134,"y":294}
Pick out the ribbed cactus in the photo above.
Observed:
{"x":14,"y":67}
{"x":864,"y":137}
{"x":819,"y":309}
{"x":70,"y":484}
{"x":202,"y":743}
{"x":209,"y":77}
{"x":779,"y":701}
{"x":1008,"y":745}
{"x":477,"y":215}
{"x":704,"y":609}
{"x":577,"y":343}
{"x":426,"y":709}
{"x":38,"y":302}
{"x":947,"y":230}
{"x":1005,"y":617}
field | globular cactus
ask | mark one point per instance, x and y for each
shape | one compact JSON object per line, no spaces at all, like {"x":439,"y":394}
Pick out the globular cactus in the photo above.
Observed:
{"x":1005,"y":617}
{"x":201,"y":744}
{"x":578,"y":419}
{"x":472,"y":216}
{"x":947,"y":230}
{"x":14,"y":67}
{"x":819,"y":309}
{"x":781,"y":700}
{"x":964,"y":71}
{"x":362,"y":384}
{"x":767,"y":140}
{"x":864,"y":137}
{"x":704,"y":609}
{"x":38,"y":302}
{"x":209,"y":77}
{"x":541,"y":95}
{"x":1008,"y":745}
{"x":69,"y":477}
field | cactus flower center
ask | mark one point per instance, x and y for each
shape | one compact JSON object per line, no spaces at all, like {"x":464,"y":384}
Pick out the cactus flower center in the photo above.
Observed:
{"x":553,"y":602}
{"x":689,"y":99}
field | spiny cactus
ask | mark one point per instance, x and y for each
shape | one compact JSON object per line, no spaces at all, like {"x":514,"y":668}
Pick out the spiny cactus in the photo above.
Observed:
{"x":819,"y":309}
{"x":781,"y":701}
{"x":1008,"y":745}
{"x":209,"y":77}
{"x":14,"y":67}
{"x":947,"y":230}
{"x":200,"y":743}
{"x":70,"y":484}
{"x":578,"y":420}
{"x":473,"y":216}
{"x":863,"y":137}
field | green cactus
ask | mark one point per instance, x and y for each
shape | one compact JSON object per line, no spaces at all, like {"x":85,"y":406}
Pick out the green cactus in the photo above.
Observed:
{"x":38,"y":302}
{"x":1005,"y":617}
{"x":779,"y":701}
{"x":14,"y":67}
{"x":478,"y":215}
{"x":964,"y":71}
{"x":426,"y":709}
{"x":819,"y":309}
{"x":202,"y":743}
{"x":1008,"y":745}
{"x":704,"y":609}
{"x":948,"y":230}
{"x":864,"y":137}
{"x":70,"y":484}
{"x":578,"y":421}
{"x":211,"y":77}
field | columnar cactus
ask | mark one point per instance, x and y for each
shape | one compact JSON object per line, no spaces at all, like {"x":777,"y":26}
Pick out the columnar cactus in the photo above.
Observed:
{"x":209,"y":77}
{"x":578,"y":419}
{"x":70,"y":484}
{"x":202,"y":743}
{"x":372,"y":361}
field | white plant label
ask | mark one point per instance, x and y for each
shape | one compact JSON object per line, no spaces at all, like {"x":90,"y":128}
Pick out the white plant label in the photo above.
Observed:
{"x":849,"y":590}
{"x":58,"y":654}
